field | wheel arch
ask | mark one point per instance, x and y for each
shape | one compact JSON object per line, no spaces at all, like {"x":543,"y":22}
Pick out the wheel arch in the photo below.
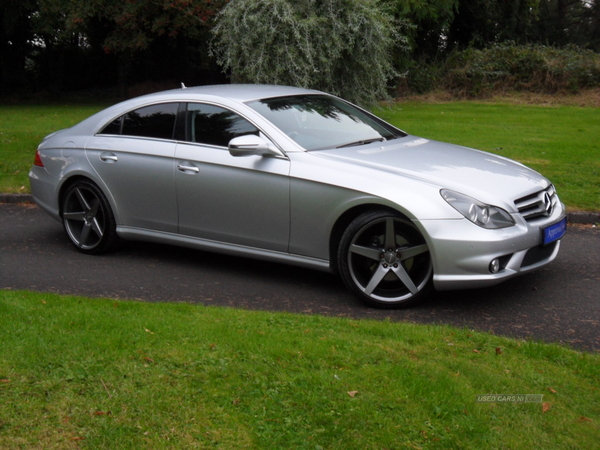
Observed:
{"x":66,"y":184}
{"x":74,"y":178}
{"x":87,"y":216}
{"x":383,"y":256}
{"x":345,"y":220}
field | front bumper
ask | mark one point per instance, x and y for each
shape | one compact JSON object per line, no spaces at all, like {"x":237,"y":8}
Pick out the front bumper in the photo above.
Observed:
{"x":462,"y":252}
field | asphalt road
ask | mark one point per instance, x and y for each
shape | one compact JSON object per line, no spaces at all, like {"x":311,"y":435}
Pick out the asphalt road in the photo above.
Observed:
{"x":559,"y":303}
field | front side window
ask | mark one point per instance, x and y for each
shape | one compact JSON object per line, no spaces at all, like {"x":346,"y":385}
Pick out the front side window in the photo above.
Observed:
{"x":156,"y":121}
{"x":213,"y":125}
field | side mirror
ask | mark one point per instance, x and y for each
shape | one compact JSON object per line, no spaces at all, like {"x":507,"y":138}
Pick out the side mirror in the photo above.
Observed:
{"x":251,"y":144}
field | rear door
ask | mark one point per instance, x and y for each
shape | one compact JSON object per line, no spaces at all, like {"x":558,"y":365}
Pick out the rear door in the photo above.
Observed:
{"x":134,"y":156}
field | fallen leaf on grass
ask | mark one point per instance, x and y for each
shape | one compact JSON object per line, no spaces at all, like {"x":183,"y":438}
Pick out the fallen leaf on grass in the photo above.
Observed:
{"x":102,"y":413}
{"x":498,"y":351}
{"x":584,"y":419}
{"x":5,"y":380}
{"x":352,"y":393}
{"x":105,"y":388}
{"x":546,"y":407}
{"x":476,"y":351}
{"x":148,"y":331}
{"x":552,"y":390}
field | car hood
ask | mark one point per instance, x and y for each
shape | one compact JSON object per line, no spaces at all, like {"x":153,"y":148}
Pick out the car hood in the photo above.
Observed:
{"x":482,"y":175}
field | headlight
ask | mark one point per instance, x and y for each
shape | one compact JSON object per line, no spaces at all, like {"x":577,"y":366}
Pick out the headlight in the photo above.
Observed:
{"x":486,"y":216}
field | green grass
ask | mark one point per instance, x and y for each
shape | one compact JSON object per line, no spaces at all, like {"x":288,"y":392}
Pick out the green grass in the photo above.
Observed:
{"x":22,"y":127}
{"x":561,"y":142}
{"x":104,"y":374}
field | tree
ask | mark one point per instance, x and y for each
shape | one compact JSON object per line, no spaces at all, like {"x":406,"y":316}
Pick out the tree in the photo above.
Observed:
{"x":431,"y":19}
{"x":565,"y":22}
{"x":15,"y":42}
{"x":344,"y":47}
{"x":58,"y":45}
{"x":480,"y":23}
{"x":155,"y":39}
{"x":559,"y":23}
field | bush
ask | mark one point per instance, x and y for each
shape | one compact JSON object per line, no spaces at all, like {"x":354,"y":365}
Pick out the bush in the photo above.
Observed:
{"x":421,"y":77}
{"x":511,"y":67}
{"x":344,"y":47}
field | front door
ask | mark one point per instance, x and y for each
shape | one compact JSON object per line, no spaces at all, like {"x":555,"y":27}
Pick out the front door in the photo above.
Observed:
{"x":236,"y":200}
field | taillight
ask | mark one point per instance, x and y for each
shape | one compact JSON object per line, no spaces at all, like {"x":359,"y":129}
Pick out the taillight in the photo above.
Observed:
{"x":38,"y":160}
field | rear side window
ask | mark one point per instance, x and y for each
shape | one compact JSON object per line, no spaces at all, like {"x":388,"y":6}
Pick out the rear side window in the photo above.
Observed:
{"x":156,"y":121}
{"x":213,"y":125}
{"x":114,"y":127}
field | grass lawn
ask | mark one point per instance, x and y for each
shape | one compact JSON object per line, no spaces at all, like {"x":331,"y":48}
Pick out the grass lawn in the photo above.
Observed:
{"x":22,"y":127}
{"x":561,"y":142}
{"x":104,"y":374}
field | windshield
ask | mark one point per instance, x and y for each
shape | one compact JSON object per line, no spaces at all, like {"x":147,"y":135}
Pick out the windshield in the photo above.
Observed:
{"x":319,"y":121}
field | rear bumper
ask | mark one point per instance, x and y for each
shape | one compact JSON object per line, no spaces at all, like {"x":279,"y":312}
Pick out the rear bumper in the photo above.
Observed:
{"x":43,"y":191}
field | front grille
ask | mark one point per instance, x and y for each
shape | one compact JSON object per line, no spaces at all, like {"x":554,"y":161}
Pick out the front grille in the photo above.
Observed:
{"x":538,"y":205}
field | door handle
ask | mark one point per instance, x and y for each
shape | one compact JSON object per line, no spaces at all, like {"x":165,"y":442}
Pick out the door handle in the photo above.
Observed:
{"x":183,"y":168}
{"x":109,"y":157}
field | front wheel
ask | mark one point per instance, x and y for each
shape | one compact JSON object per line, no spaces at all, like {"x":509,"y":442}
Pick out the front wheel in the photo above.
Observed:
{"x":384,"y":259}
{"x":88,"y":218}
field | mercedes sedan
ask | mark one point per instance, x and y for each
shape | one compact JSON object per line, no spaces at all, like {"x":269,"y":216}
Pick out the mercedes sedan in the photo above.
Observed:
{"x":299,"y":177}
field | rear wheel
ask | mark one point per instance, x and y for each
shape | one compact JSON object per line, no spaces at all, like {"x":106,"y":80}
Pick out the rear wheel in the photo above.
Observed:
{"x":88,"y":218}
{"x":385,"y":260}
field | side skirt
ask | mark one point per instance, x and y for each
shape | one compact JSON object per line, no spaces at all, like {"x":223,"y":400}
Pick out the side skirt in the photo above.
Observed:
{"x":137,"y":234}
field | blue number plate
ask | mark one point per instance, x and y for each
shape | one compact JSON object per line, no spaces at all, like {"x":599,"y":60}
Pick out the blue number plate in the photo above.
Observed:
{"x":555,"y":232}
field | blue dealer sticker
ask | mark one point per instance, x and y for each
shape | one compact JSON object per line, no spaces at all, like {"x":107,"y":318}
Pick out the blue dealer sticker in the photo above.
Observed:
{"x":555,"y":232}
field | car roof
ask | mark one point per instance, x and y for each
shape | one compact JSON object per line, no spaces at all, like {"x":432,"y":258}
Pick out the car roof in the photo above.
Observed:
{"x":237,"y":92}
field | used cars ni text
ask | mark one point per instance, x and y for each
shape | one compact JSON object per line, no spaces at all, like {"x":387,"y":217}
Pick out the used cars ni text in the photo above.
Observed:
{"x":299,"y":177}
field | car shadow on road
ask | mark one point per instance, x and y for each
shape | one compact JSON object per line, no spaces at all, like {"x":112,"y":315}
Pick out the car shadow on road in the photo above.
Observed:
{"x":309,"y":288}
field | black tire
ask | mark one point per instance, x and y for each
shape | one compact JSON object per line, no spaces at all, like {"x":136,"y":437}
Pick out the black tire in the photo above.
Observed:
{"x":384,"y":259}
{"x":88,"y":219}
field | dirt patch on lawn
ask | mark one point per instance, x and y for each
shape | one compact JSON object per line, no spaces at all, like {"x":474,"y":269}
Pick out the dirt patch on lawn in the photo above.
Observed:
{"x":587,"y":98}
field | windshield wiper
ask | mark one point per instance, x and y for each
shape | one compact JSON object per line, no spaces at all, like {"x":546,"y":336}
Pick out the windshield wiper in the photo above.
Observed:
{"x":362,"y":142}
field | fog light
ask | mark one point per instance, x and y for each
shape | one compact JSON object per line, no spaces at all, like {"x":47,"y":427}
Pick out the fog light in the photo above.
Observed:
{"x":495,"y":266}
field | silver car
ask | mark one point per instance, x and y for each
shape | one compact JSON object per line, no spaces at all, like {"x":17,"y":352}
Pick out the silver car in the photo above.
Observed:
{"x":300,"y":177}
